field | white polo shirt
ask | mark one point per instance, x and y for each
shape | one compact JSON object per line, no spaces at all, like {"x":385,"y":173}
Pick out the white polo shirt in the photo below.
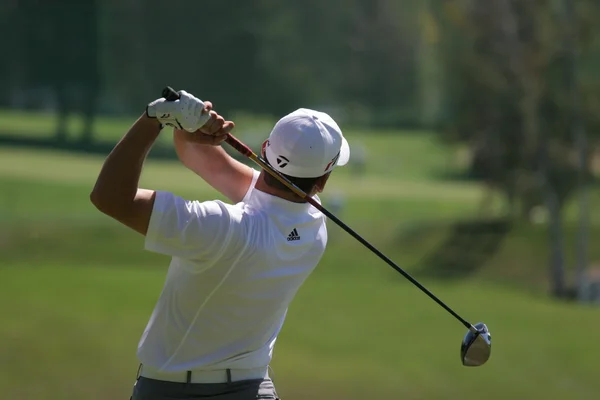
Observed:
{"x":233,"y":273}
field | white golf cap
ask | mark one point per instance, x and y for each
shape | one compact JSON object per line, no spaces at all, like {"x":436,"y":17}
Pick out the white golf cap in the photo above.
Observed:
{"x":306,"y":144}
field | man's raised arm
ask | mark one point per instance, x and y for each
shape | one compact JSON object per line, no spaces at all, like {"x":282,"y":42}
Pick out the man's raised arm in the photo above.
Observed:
{"x":116,"y":192}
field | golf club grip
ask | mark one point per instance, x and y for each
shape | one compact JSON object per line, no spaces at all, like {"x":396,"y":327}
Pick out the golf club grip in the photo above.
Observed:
{"x":239,"y":146}
{"x":171,"y":95}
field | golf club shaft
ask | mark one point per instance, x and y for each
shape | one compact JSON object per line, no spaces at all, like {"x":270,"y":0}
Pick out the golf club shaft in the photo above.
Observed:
{"x":171,"y":95}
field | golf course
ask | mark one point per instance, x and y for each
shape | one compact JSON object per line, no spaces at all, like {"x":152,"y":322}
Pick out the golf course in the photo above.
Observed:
{"x":78,"y":288}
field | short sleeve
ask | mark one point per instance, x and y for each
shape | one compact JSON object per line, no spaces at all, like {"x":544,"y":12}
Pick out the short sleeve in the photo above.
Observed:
{"x":188,"y":229}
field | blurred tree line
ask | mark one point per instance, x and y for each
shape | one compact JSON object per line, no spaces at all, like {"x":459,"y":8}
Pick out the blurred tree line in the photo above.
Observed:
{"x":264,"y":56}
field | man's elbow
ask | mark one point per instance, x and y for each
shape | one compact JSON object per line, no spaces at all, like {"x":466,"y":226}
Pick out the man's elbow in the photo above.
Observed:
{"x":104,"y":203}
{"x":134,"y":214}
{"x":98,"y":200}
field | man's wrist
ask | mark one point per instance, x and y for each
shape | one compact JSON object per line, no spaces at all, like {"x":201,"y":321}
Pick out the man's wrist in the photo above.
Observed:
{"x":151,"y":122}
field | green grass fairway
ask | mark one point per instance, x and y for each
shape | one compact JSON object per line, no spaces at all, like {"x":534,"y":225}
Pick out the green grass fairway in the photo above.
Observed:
{"x":78,"y":289}
{"x":350,"y":334}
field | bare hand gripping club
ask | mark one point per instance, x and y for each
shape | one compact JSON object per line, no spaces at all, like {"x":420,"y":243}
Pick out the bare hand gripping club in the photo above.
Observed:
{"x":476,"y":344}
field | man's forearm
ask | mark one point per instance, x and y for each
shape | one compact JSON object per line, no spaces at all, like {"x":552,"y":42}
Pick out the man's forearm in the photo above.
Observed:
{"x":117,"y":184}
{"x":203,"y":160}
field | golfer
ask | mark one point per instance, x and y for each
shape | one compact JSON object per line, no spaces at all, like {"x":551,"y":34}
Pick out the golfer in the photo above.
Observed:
{"x":235,"y":266}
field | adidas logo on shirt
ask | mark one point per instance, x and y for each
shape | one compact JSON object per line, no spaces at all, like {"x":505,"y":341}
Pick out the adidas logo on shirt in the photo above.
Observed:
{"x":293,"y":236}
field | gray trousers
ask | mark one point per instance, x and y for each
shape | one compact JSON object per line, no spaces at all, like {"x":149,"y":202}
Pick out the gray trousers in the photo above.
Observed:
{"x":151,"y":389}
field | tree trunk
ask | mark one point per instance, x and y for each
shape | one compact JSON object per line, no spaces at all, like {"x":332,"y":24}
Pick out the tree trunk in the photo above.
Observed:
{"x":557,"y":261}
{"x":555,"y":228}
{"x":579,"y":135}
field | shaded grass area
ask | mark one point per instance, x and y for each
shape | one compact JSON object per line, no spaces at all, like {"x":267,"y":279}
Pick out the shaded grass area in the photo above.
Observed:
{"x":39,"y":124}
{"x":416,"y":153}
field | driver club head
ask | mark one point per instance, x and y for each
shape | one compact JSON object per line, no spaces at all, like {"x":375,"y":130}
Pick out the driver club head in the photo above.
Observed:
{"x":476,"y":347}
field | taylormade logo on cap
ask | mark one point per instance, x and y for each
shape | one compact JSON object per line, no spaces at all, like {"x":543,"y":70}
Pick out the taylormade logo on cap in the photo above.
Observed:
{"x":306,"y":144}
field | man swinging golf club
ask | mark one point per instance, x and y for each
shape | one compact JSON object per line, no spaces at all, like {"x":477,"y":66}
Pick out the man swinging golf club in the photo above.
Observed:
{"x":235,"y":266}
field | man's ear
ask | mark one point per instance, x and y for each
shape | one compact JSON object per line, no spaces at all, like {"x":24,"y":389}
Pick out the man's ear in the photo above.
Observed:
{"x":321,"y":182}
{"x":263,"y":147}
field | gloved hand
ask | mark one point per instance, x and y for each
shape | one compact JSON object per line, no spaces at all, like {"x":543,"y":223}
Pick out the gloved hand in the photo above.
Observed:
{"x":187,"y":113}
{"x":213,"y":132}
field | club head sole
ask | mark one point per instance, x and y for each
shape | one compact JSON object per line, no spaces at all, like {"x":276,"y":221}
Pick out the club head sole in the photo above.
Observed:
{"x":476,"y":348}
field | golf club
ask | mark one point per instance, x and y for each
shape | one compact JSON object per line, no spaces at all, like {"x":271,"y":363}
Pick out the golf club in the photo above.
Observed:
{"x":476,"y":345}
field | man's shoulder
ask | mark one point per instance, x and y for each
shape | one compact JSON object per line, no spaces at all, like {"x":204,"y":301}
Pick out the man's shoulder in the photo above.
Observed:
{"x":189,"y":209}
{"x":218,"y":207}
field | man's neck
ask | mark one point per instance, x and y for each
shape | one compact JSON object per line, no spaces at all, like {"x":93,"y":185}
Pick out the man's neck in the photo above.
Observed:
{"x":283,"y":194}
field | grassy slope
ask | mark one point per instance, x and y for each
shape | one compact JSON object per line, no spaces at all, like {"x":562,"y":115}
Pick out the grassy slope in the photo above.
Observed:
{"x":80,"y":290}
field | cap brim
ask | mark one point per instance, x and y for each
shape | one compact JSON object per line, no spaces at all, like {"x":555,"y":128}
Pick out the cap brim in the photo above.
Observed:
{"x":344,"y":153}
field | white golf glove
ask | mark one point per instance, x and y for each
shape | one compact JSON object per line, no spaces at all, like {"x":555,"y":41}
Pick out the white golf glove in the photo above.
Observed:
{"x":186,"y":113}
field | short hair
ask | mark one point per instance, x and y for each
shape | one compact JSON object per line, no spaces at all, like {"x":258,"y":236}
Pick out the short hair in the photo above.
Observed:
{"x":304,"y":184}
